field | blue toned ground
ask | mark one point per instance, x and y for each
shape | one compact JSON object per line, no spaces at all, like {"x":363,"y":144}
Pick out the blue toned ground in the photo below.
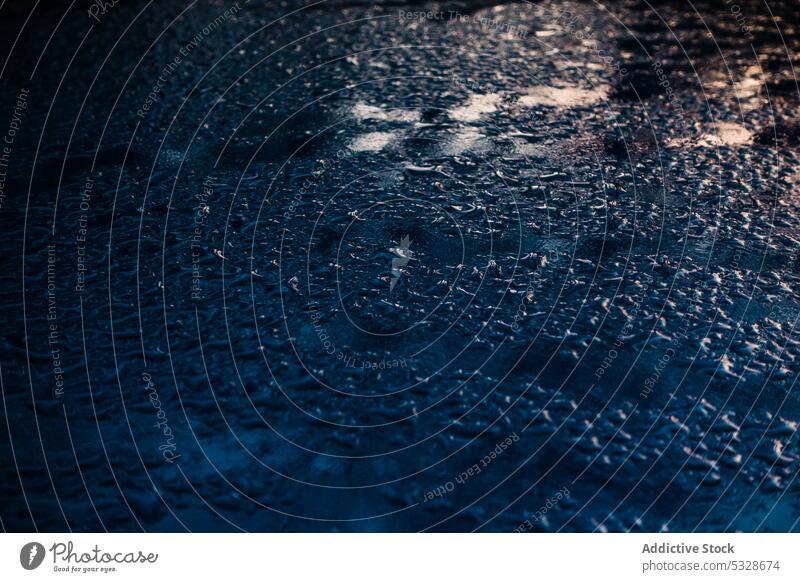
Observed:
{"x":342,"y":267}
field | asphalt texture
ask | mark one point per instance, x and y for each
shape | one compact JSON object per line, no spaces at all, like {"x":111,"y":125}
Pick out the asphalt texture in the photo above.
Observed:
{"x":389,"y":266}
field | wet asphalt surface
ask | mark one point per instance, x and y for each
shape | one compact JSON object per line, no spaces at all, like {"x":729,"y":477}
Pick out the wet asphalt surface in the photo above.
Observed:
{"x":342,"y":267}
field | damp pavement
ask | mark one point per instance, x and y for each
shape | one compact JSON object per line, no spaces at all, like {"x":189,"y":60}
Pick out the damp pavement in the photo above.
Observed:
{"x":347,"y":266}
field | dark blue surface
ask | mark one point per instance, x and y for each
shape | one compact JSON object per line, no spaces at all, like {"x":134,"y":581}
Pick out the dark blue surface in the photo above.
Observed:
{"x":352,"y":271}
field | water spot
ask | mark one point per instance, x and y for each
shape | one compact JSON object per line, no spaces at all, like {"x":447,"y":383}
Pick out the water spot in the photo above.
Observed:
{"x":725,"y":133}
{"x":373,"y":141}
{"x":563,"y":97}
{"x":470,"y":139}
{"x":364,"y":112}
{"x":746,"y":89}
{"x":476,"y":107}
{"x":718,"y":134}
{"x":749,"y":85}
